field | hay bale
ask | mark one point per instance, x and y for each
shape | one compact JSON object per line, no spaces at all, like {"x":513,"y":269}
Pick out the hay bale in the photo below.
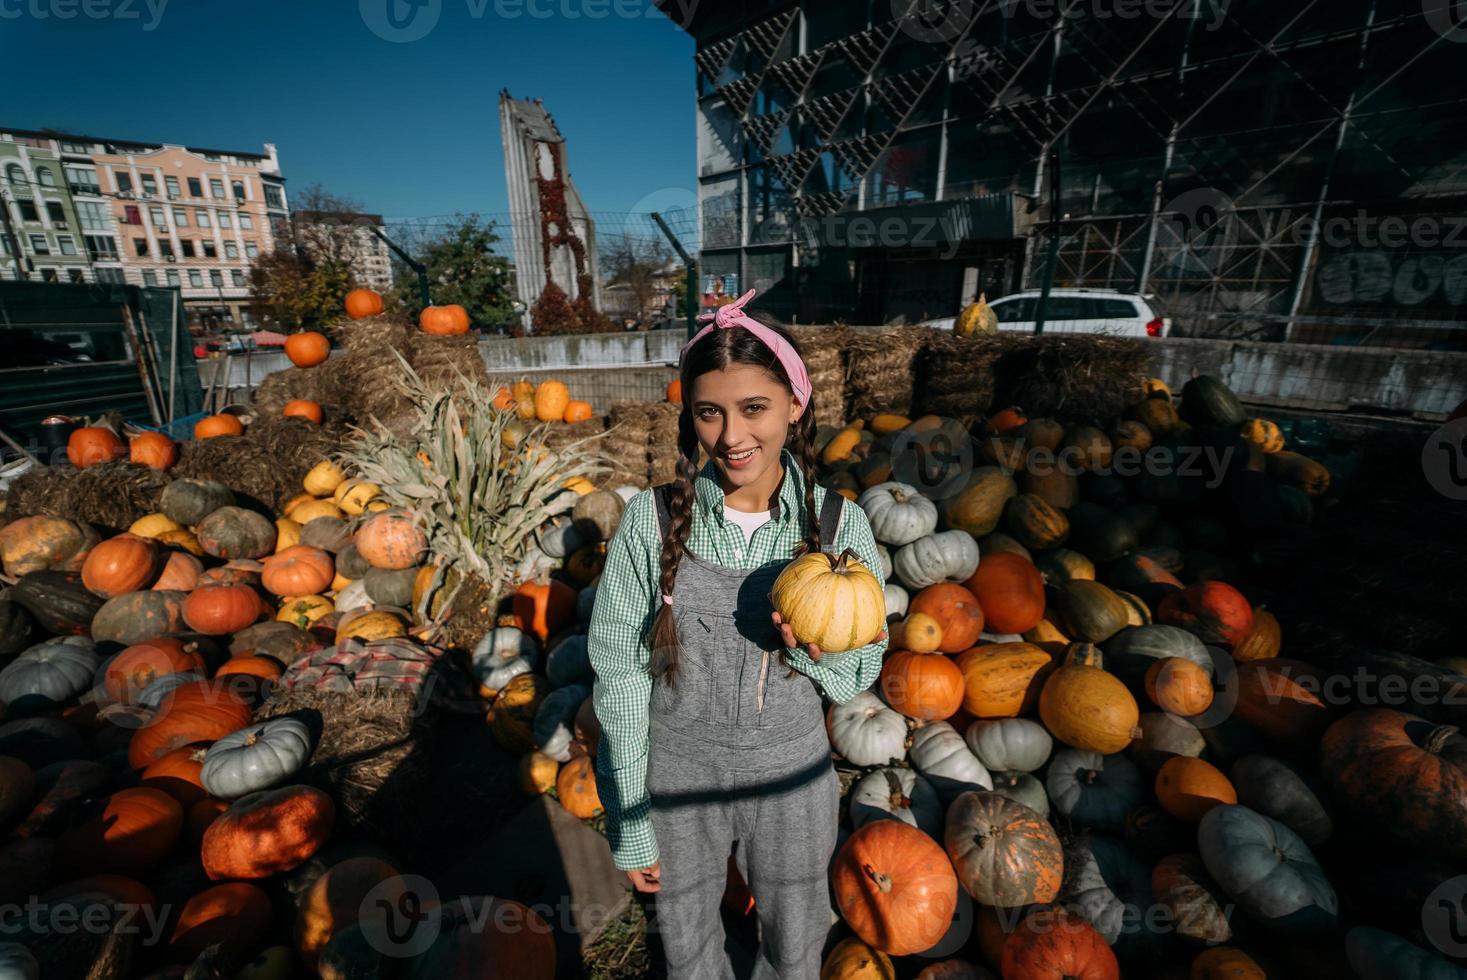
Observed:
{"x":955,"y":375}
{"x":366,"y":385}
{"x":373,"y":334}
{"x":289,"y":385}
{"x":879,"y":363}
{"x":558,"y":435}
{"x":109,"y":495}
{"x":823,"y":350}
{"x":1074,"y":378}
{"x":268,"y":462}
{"x":627,"y":435}
{"x":662,"y":434}
{"x":372,"y":754}
{"x":441,"y":360}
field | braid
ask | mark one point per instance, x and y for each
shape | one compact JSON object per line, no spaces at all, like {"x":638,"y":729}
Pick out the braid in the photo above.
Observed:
{"x":662,"y":638}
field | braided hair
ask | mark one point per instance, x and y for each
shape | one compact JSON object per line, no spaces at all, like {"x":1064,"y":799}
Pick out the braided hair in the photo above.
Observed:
{"x":718,"y":350}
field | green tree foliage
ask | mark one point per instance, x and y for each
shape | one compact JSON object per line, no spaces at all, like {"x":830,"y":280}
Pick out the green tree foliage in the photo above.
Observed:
{"x":299,"y":291}
{"x":463,"y":269}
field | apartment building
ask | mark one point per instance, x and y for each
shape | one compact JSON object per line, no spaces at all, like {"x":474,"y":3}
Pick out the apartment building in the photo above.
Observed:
{"x":347,"y":235}
{"x":145,"y":213}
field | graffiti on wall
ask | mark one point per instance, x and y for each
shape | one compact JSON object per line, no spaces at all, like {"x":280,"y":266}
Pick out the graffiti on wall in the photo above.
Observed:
{"x":1383,"y":277}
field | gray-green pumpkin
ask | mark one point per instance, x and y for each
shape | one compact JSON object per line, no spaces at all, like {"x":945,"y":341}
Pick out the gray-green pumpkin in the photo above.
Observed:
{"x":262,"y":756}
{"x":390,"y":587}
{"x":188,"y":501}
{"x":49,"y":674}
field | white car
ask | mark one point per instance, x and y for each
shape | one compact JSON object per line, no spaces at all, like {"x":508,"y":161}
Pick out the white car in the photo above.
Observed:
{"x":1102,"y":311}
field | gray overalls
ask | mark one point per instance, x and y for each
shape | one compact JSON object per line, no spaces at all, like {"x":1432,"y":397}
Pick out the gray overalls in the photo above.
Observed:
{"x":738,"y":752}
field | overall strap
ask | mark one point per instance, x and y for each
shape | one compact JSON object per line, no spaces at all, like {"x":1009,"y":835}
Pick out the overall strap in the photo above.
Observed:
{"x":664,"y":514}
{"x":831,"y":511}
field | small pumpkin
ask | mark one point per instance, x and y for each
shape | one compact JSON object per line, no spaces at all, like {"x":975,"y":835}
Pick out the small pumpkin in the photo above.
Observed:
{"x":944,"y":556}
{"x":199,"y":711}
{"x":215,"y":426}
{"x":1054,"y":942}
{"x":136,"y":616}
{"x":851,"y":959}
{"x":233,"y":918}
{"x":894,"y":886}
{"x":234,"y":532}
{"x":578,"y":411}
{"x":1010,"y":592}
{"x":135,"y":829}
{"x":1004,"y":853}
{"x":129,"y":673}
{"x":48,"y":674}
{"x":898,"y":513}
{"x":1094,"y":790}
{"x":940,"y":754}
{"x":551,"y":399}
{"x":1003,"y":680}
{"x":221,"y":609}
{"x":1267,"y":870}
{"x":1264,"y":434}
{"x":1215,"y":611}
{"x":1262,"y":640}
{"x":1035,"y":523}
{"x":449,"y":320}
{"x":323,"y":478}
{"x":391,"y":540}
{"x":1091,"y":611}
{"x":575,"y":787}
{"x":1010,"y":744}
{"x":93,"y":444}
{"x":544,"y":607}
{"x":303,"y":408}
{"x":153,"y":450}
{"x":122,"y":564}
{"x":598,"y":514}
{"x":1188,"y":788}
{"x":362,"y":302}
{"x":45,"y":543}
{"x":267,"y":833}
{"x":372,"y":625}
{"x":177,"y":774}
{"x":1179,"y":686}
{"x":1085,"y":707}
{"x":334,"y":901}
{"x":865,"y":731}
{"x":188,"y":501}
{"x":957,"y":612}
{"x":256,"y":758}
{"x":304,"y":610}
{"x":307,"y":348}
{"x":298,"y":570}
{"x":890,"y":793}
{"x":979,"y":506}
{"x":921,"y":685}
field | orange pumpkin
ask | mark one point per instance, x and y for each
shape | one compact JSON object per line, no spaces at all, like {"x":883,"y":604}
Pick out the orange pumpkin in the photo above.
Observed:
{"x":577,"y":411}
{"x":895,"y":887}
{"x":956,"y":610}
{"x":33,"y":544}
{"x":204,"y":711}
{"x":268,"y":832}
{"x":303,"y":408}
{"x":1005,"y":854}
{"x":307,"y":348}
{"x":1010,"y":591}
{"x":235,"y":915}
{"x":363,"y":302}
{"x":1263,"y":639}
{"x":256,"y":665}
{"x":1215,"y":611}
{"x":1225,"y":963}
{"x":1054,"y":942}
{"x":503,"y":398}
{"x":544,"y":607}
{"x":298,"y":570}
{"x":220,"y":609}
{"x":1004,"y":421}
{"x":131,"y":671}
{"x":335,"y":901}
{"x":922,"y":685}
{"x":181,"y":572}
{"x":135,"y":829}
{"x":126,"y":563}
{"x":444,"y":321}
{"x":1187,"y":788}
{"x":576,"y":787}
{"x":1003,"y":680}
{"x":218,"y":425}
{"x":91,"y":445}
{"x":551,"y":399}
{"x":391,"y":540}
{"x":153,"y":449}
{"x":675,"y":391}
{"x":177,"y":774}
{"x":1178,"y":685}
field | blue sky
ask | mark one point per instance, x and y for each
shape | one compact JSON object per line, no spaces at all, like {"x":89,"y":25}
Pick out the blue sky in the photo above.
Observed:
{"x":409,"y":128}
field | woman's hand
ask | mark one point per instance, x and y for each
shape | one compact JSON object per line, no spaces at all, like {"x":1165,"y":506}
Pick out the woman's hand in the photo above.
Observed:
{"x":647,"y":879}
{"x":788,"y":635}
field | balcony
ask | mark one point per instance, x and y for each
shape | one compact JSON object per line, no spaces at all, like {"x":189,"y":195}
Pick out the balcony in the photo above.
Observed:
{"x":93,"y":189}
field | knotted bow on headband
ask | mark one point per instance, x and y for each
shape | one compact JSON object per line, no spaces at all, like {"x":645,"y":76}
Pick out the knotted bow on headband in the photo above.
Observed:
{"x":733,"y":315}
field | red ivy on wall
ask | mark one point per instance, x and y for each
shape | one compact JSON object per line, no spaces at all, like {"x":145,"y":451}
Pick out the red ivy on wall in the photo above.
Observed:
{"x":554,"y":312}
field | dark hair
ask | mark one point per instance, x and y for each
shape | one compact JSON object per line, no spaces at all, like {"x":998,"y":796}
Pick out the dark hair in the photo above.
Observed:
{"x":718,"y":350}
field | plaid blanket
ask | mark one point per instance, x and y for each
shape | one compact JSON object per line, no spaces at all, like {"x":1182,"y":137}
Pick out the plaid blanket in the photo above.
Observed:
{"x":354,"y":667}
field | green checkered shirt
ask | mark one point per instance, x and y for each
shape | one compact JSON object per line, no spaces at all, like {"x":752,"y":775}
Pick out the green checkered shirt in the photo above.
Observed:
{"x":627,"y":600}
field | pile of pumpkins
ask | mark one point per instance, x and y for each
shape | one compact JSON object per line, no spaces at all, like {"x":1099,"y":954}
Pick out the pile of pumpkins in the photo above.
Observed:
{"x":549,"y":401}
{"x":134,"y":777}
{"x":1084,"y":755}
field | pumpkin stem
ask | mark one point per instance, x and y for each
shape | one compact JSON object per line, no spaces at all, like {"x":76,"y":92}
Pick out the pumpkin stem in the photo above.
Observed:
{"x":1437,"y":740}
{"x":251,"y":738}
{"x":883,"y":881}
{"x":841,"y":563}
{"x":1090,"y":776}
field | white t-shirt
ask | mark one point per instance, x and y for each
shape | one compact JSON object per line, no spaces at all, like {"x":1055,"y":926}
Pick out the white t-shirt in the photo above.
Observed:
{"x":749,"y":522}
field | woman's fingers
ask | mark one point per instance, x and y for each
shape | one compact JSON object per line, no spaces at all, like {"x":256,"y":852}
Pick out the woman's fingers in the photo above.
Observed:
{"x":814,"y":651}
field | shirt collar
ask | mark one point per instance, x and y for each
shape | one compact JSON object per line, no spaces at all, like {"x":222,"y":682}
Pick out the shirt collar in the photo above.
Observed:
{"x":787,"y":503}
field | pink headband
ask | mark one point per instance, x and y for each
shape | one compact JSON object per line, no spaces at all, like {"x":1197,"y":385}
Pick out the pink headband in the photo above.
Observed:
{"x":732,"y":315}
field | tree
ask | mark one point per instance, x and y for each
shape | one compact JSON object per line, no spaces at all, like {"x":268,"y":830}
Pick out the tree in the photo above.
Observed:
{"x":638,"y":264}
{"x":464,"y":269}
{"x":305,"y":281}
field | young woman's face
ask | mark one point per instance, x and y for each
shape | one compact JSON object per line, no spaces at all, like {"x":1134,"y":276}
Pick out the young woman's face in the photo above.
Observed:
{"x":742,"y":416}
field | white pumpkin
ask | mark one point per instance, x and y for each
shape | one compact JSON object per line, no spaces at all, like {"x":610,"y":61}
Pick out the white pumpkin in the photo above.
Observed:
{"x":1094,"y":790}
{"x":947,"y":556}
{"x":896,"y":600}
{"x":884,"y":553}
{"x":49,"y":673}
{"x":501,"y":644}
{"x":1022,"y":787}
{"x":627,"y":491}
{"x":498,"y":676}
{"x":897,"y":794}
{"x":354,"y":596}
{"x":559,"y":536}
{"x":1109,"y":886}
{"x":1010,"y":744}
{"x":18,"y":963}
{"x":865,"y":731}
{"x":555,"y":721}
{"x":898,"y":513}
{"x":942,"y":757}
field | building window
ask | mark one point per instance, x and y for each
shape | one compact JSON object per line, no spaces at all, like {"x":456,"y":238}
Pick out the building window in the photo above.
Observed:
{"x":171,"y":183}
{"x":49,"y":275}
{"x":123,"y":181}
{"x":150,"y":277}
{"x":28,"y":211}
{"x":201,"y":217}
{"x":273,"y":197}
{"x":150,"y":184}
{"x":180,"y":217}
{"x":195,"y":278}
{"x":231,"y":250}
{"x":56,"y":213}
{"x":157,"y":215}
{"x":225,"y":221}
{"x":93,"y":215}
{"x":211,"y":251}
{"x":82,"y":180}
{"x":165,"y":248}
{"x":252,"y":250}
{"x":76,"y":275}
{"x":17,"y":178}
{"x":46,"y":176}
{"x":173,"y":277}
{"x":140,"y":246}
{"x":238,"y":276}
{"x":216,"y":277}
{"x":246,"y":221}
{"x":66,"y":244}
{"x":110,"y":275}
{"x":195,"y":187}
{"x":187,"y":244}
{"x":69,"y":147}
{"x":39,"y":245}
{"x":216,"y":187}
{"x":132,"y":214}
{"x":239,"y":193}
{"x":101,"y":247}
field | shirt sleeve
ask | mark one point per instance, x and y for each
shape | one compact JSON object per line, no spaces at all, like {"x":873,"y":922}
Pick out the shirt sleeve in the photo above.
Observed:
{"x":626,"y":601}
{"x":844,"y":675}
